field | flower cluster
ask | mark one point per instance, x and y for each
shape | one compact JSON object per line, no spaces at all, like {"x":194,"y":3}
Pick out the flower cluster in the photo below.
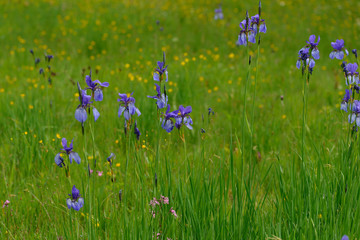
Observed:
{"x":352,"y":81}
{"x":250,"y":27}
{"x":308,"y":54}
{"x":169,"y":119}
{"x":155,"y":203}
{"x":85,"y":100}
{"x":218,"y":13}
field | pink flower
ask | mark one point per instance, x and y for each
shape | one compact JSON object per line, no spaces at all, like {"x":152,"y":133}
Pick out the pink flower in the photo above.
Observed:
{"x":154,"y":202}
{"x":153,"y":214}
{"x":91,"y":171}
{"x":100,"y":173}
{"x":173,"y":212}
{"x":6,"y":203}
{"x":165,"y":200}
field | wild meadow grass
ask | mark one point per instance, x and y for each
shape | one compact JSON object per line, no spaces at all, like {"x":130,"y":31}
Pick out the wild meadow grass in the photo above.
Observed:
{"x":270,"y":155}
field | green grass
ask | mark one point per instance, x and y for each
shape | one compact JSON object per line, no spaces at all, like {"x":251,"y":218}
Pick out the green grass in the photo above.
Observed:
{"x":225,"y":183}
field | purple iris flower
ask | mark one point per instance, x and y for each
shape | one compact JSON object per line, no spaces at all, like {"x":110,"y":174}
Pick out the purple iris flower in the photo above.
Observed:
{"x":247,"y":33}
{"x":351,"y":74}
{"x":85,"y":103}
{"x":183,"y":117}
{"x":95,"y":87}
{"x":355,"y":115}
{"x":304,"y":58}
{"x":338,"y":49}
{"x":167,"y":121}
{"x":75,"y":202}
{"x":112,"y":155}
{"x":48,"y":58}
{"x":160,"y":71}
{"x":162,"y":99}
{"x":137,"y":131}
{"x":218,"y":13}
{"x":256,"y":21}
{"x":69,"y":151}
{"x":127,"y":105}
{"x":345,"y":237}
{"x":313,"y":46}
{"x":344,"y":103}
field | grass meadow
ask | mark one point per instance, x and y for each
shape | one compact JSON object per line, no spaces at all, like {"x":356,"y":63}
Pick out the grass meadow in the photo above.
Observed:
{"x":276,"y":159}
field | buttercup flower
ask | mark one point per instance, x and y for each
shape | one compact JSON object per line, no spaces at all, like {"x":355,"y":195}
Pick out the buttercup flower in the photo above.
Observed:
{"x":75,"y":202}
{"x":69,"y":151}
{"x":339,"y":49}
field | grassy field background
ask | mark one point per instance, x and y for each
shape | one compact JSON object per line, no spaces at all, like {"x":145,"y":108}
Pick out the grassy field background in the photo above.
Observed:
{"x":218,"y":190}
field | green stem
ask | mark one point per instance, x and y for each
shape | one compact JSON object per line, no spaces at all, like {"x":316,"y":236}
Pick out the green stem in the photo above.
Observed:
{"x":244,"y":117}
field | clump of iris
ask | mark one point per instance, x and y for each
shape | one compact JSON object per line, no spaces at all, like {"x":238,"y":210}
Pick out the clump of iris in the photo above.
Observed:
{"x":308,"y":54}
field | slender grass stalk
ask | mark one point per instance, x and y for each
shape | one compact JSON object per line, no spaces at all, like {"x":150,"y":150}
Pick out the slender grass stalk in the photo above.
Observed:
{"x":304,"y":117}
{"x":244,"y":120}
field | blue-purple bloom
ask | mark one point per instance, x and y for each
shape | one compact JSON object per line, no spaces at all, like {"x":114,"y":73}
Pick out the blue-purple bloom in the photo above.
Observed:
{"x":183,"y":117}
{"x":127,"y":105}
{"x":355,"y":115}
{"x":218,"y":13}
{"x":344,"y":103}
{"x":112,"y":155}
{"x":313,"y":46}
{"x":75,"y":202}
{"x":96,"y":87}
{"x":137,"y":131}
{"x":351,"y":74}
{"x":160,"y":71}
{"x":69,"y":151}
{"x":247,"y":33}
{"x":168,"y":119}
{"x":339,"y":49}
{"x":345,"y":237}
{"x":162,"y":99}
{"x":48,"y":58}
{"x":304,"y":58}
{"x":256,"y":21}
{"x":85,"y":103}
{"x":308,"y":54}
{"x":249,"y":29}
